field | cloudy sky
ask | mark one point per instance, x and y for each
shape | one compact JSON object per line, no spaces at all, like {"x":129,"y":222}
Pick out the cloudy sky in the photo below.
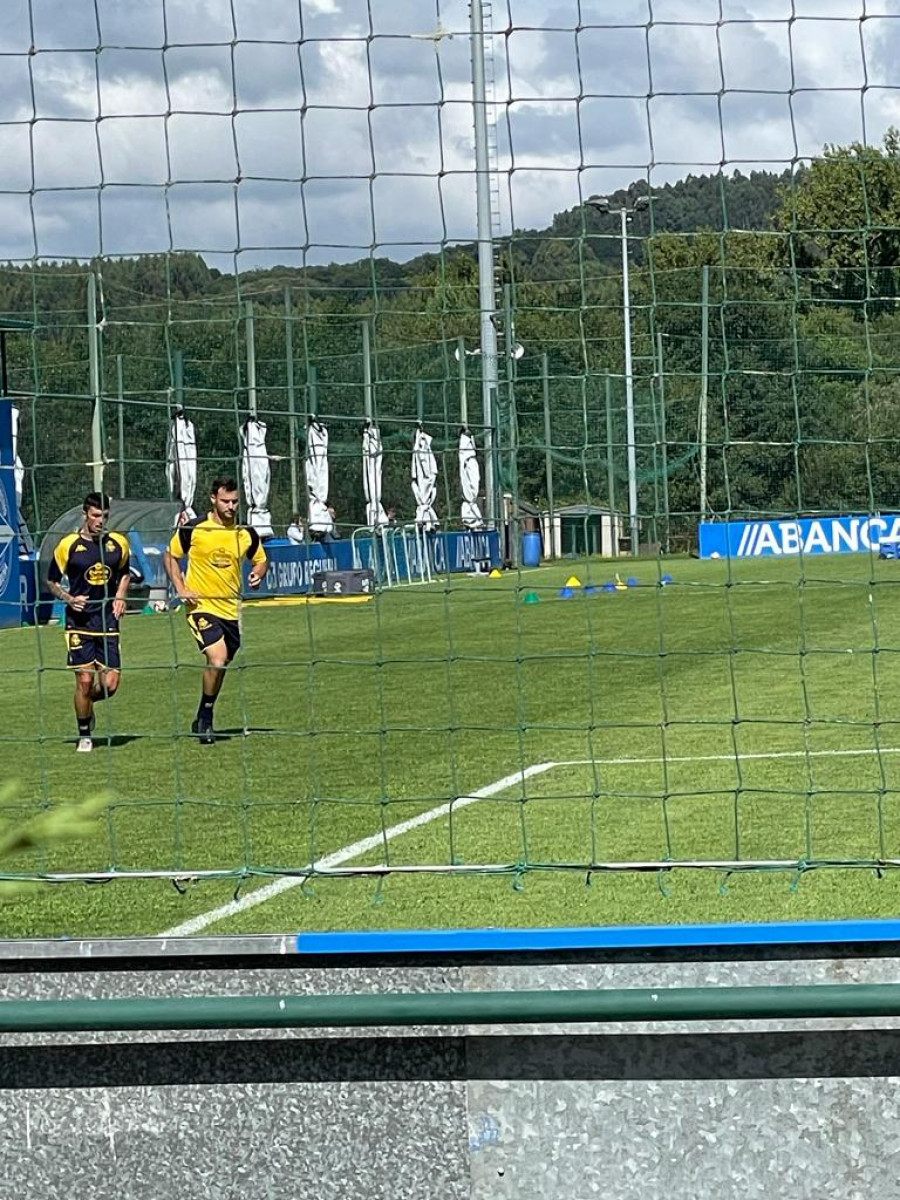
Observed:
{"x":278,"y":130}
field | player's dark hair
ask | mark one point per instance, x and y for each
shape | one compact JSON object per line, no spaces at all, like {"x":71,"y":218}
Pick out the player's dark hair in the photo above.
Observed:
{"x":225,"y":483}
{"x":96,"y":500}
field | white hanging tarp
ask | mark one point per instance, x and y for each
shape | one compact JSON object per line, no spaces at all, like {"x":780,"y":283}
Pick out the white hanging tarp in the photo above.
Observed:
{"x":26,"y":545}
{"x":424,"y":480}
{"x":19,"y":466}
{"x":470,"y":481}
{"x":372,"y":460}
{"x":319,"y":518}
{"x":181,"y":462}
{"x":257,"y":476}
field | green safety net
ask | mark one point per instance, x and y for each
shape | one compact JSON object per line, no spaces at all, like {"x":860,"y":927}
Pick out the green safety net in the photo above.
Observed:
{"x":235,"y":207}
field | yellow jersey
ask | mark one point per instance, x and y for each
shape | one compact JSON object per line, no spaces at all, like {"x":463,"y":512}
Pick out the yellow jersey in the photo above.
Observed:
{"x":215,"y":556}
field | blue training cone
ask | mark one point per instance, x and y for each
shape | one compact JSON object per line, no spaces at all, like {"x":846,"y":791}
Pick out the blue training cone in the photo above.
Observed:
{"x":631,"y":581}
{"x":666,"y":579}
{"x":566,"y":593}
{"x":609,"y":587}
{"x":591,"y":590}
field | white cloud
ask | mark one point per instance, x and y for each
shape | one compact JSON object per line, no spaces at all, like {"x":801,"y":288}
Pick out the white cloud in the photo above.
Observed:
{"x":133,"y":150}
{"x":132,"y":83}
{"x":323,"y":7}
{"x":578,"y":110}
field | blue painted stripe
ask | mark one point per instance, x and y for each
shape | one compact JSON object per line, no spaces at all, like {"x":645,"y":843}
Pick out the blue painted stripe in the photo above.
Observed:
{"x":622,"y":937}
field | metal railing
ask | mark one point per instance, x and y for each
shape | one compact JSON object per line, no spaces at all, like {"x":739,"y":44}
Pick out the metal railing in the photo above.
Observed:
{"x":452,"y":1008}
{"x":384,"y":559}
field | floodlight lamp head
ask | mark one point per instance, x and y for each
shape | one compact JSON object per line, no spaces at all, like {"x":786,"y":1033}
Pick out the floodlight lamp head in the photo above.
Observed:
{"x":641,"y":202}
{"x":600,"y":203}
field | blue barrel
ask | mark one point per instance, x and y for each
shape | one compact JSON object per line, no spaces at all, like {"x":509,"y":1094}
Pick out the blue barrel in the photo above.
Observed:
{"x":531,"y":549}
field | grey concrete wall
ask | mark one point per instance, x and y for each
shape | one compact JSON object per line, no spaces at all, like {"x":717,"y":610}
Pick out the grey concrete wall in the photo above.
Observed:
{"x":685,"y":1111}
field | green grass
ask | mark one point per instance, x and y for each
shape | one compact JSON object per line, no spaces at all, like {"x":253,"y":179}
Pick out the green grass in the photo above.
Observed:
{"x":361,"y":717}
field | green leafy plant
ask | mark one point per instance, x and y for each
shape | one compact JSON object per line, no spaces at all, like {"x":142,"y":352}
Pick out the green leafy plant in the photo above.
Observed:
{"x":62,"y":823}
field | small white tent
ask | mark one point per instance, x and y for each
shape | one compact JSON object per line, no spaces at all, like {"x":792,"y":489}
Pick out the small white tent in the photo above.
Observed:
{"x":470,"y":481}
{"x":19,"y":466}
{"x":424,"y":480}
{"x":25,"y":543}
{"x":372,"y":460}
{"x":319,"y":518}
{"x":257,"y":476}
{"x":181,"y":461}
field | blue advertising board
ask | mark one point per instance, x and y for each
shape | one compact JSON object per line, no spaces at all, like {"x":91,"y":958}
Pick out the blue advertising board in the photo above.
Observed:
{"x":778,"y":538}
{"x":293,"y":566}
{"x":10,"y":600}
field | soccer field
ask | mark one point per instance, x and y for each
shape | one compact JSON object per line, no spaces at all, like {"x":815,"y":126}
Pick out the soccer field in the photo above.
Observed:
{"x":747,"y":713}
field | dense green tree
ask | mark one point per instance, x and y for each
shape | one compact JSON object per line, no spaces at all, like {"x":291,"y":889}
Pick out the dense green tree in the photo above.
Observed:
{"x":842,"y":214}
{"x":802,"y":396}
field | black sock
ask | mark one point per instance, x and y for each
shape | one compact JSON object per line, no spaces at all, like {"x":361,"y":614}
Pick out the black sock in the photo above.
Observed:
{"x":84,"y":726}
{"x":205,"y":710}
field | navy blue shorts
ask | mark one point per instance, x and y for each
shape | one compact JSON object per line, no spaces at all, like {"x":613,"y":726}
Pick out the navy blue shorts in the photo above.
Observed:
{"x":209,"y":629}
{"x":89,"y":652}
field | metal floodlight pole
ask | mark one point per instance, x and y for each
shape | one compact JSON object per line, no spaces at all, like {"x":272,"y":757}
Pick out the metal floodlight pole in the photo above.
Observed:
{"x":291,"y":398}
{"x":630,"y":448}
{"x":509,"y":342}
{"x":601,"y":204}
{"x":251,"y":358}
{"x":486,"y":295}
{"x":548,"y":455}
{"x":368,"y":398}
{"x":704,"y":387}
{"x":312,"y":391}
{"x":610,"y":465}
{"x":664,"y":437}
{"x":178,"y":377}
{"x":96,"y":400}
{"x":120,"y":389}
{"x":463,"y":393}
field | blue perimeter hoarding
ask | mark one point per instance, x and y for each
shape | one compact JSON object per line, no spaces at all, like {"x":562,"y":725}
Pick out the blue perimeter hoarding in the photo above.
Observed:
{"x":292,"y":566}
{"x":809,"y":535}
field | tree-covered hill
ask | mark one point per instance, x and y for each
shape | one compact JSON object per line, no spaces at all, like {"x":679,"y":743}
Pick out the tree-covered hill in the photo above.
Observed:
{"x":802,"y":388}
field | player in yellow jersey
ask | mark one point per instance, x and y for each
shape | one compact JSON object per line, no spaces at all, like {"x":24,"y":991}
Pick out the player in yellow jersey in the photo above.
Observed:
{"x":215,"y":547}
{"x":94,"y":565}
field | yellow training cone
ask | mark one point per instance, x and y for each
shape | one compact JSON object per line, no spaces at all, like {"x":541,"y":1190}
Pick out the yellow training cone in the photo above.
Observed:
{"x":496,"y":574}
{"x":573,"y":581}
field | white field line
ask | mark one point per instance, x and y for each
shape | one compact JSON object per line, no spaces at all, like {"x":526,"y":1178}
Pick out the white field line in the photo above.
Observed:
{"x":346,"y":853}
{"x":739,"y":756}
{"x":285,"y":882}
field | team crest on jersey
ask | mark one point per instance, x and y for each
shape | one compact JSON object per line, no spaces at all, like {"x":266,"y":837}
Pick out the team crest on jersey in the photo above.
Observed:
{"x":202,"y":623}
{"x":74,"y":640}
{"x":220,"y":559}
{"x":79,"y":548}
{"x":110,"y":547}
{"x":98,"y":574}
